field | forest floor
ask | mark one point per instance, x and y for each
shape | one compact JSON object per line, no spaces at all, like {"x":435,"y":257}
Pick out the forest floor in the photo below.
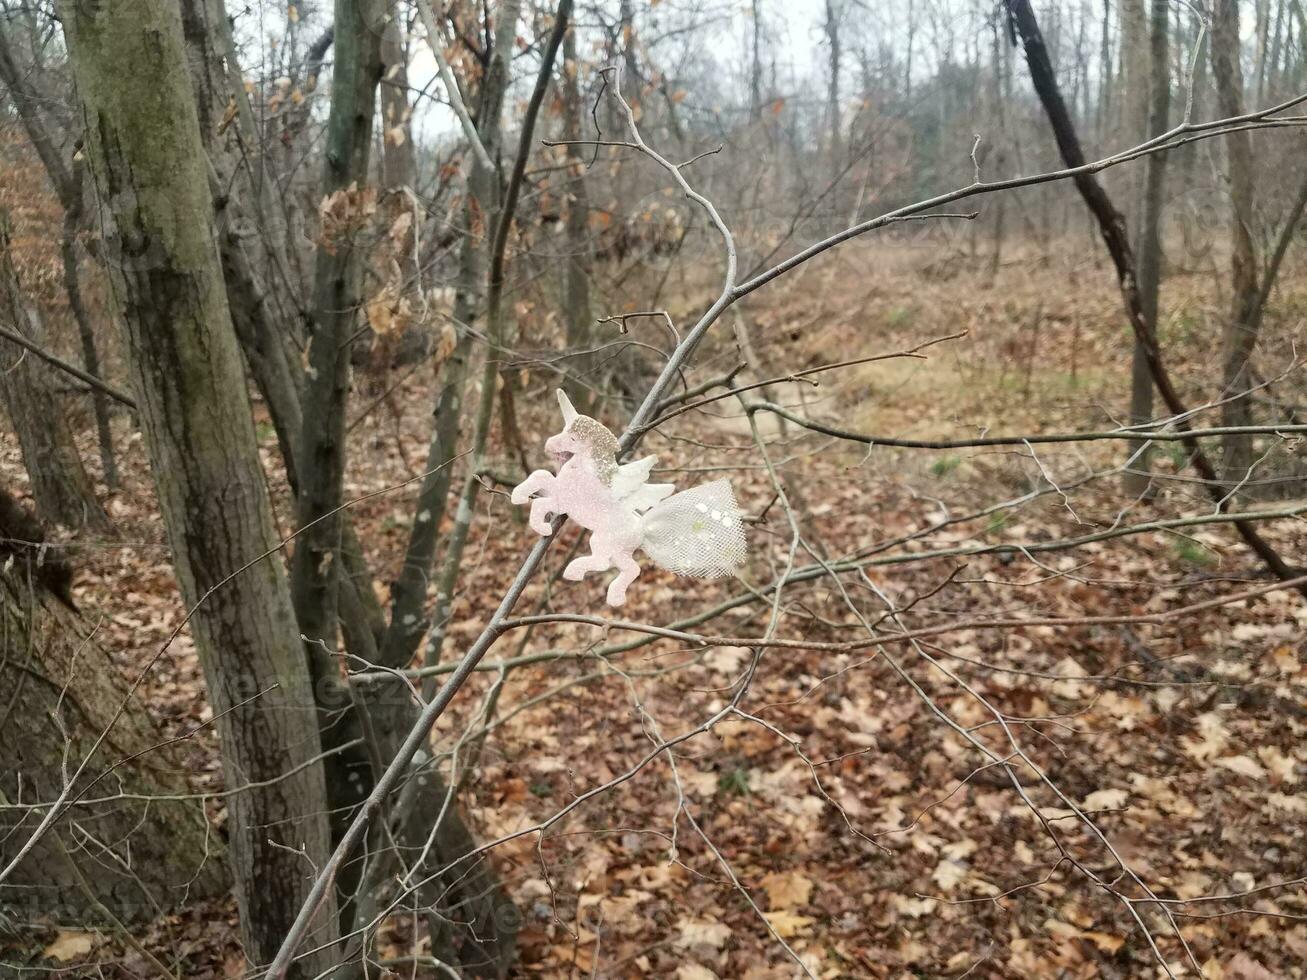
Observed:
{"x":844,"y":816}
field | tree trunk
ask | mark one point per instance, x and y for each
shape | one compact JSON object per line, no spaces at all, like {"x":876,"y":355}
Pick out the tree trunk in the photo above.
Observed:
{"x":67,"y":183}
{"x":1134,"y":94}
{"x":408,"y":619}
{"x":1111,"y":226}
{"x":1137,"y":479}
{"x":398,"y":163}
{"x":143,"y":138}
{"x":835,"y":146}
{"x":60,"y":486}
{"x":577,"y":312}
{"x":253,"y":245}
{"x":130,"y":856}
{"x":1105,"y":85}
{"x":398,"y":178}
{"x":86,"y":334}
{"x":755,"y":63}
{"x":1240,"y":335}
{"x":337,"y":298}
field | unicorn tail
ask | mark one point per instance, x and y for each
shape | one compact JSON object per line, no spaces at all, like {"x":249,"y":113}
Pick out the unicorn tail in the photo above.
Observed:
{"x":698,"y":532}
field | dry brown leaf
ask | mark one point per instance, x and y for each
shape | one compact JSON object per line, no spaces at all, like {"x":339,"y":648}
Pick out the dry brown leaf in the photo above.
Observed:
{"x":704,"y":932}
{"x":1244,"y":967}
{"x":788,"y":924}
{"x":947,"y":874}
{"x":1106,"y":799}
{"x":1244,"y":765}
{"x":786,"y":891}
{"x":69,"y":945}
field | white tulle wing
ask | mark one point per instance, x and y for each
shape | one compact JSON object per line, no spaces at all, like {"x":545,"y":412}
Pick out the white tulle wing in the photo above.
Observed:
{"x":698,"y":532}
{"x":630,"y":477}
{"x":647,"y":496}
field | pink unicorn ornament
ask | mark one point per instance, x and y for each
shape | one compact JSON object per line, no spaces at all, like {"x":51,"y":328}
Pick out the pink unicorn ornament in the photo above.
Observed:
{"x":698,"y":532}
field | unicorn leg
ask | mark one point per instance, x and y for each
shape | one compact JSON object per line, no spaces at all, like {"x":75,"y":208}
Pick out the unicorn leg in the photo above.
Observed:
{"x":539,"y":481}
{"x":628,"y":570}
{"x":542,"y":509}
{"x":594,"y":562}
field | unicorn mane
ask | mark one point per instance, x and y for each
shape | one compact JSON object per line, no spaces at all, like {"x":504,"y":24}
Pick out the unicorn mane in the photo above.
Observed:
{"x":600,"y":443}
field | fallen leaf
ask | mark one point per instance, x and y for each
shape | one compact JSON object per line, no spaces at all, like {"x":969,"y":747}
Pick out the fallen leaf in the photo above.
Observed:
{"x":69,"y":945}
{"x":785,"y":891}
{"x":948,"y":873}
{"x":788,"y":924}
{"x":1106,"y":799}
{"x":1104,"y":941}
{"x":704,"y":932}
{"x":1244,"y":765}
{"x":1244,"y":967}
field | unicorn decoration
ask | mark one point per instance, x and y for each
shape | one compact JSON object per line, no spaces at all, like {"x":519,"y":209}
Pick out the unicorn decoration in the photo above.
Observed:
{"x":698,"y":532}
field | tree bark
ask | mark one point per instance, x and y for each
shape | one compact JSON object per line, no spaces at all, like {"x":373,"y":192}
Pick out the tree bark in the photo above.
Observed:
{"x":1134,"y":93}
{"x":337,"y":298}
{"x":256,"y":266}
{"x":577,"y":312}
{"x":135,"y":853}
{"x":835,"y":143}
{"x":67,"y":183}
{"x":408,"y":619}
{"x":398,"y":162}
{"x":144,"y":144}
{"x":1138,"y":479}
{"x":1240,"y":335}
{"x":86,"y":334}
{"x":61,"y":487}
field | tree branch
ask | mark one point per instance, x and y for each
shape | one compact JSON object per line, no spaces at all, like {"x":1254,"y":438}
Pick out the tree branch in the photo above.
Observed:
{"x":1112,"y":228}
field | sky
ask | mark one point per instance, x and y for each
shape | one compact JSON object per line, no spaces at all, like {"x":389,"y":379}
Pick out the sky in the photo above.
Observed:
{"x":794,"y":27}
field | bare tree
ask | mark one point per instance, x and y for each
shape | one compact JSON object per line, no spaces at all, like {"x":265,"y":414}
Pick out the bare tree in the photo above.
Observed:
{"x":317,"y":564}
{"x":398,"y":158}
{"x":1240,"y":335}
{"x":142,"y":127}
{"x":60,"y":485}
{"x":1112,"y":228}
{"x":834,"y":127}
{"x":578,"y":258}
{"x":67,"y":181}
{"x":1149,"y":240}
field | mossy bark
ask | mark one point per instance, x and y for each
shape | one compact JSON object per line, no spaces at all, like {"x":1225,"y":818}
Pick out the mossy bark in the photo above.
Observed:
{"x":144,"y":143}
{"x":134,"y":846}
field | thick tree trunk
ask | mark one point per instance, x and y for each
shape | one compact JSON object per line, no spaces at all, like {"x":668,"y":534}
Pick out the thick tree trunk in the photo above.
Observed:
{"x":1138,"y":478}
{"x":1241,"y":327}
{"x":144,"y":141}
{"x":123,"y":850}
{"x":60,"y":486}
{"x":256,"y":265}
